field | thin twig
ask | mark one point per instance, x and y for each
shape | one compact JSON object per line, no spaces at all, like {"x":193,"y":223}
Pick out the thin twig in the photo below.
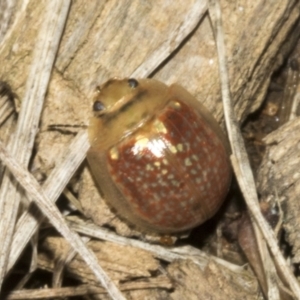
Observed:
{"x":167,"y":254}
{"x":83,"y":290}
{"x":28,"y":182}
{"x":21,"y":145}
{"x":6,"y":8}
{"x":173,"y":40}
{"x":61,"y":264}
{"x":30,"y":220}
{"x":240,"y":160}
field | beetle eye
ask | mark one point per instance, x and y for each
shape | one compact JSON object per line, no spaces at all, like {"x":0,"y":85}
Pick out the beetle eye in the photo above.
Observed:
{"x":133,"y":83}
{"x":98,"y":106}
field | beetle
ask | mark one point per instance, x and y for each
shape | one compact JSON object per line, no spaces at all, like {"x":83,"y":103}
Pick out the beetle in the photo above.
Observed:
{"x":158,"y":156}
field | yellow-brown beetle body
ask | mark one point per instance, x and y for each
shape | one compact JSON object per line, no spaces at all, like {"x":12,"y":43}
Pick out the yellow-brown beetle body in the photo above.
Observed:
{"x":158,"y":156}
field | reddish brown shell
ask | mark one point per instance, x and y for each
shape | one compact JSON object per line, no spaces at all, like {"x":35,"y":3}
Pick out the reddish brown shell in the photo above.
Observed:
{"x":171,"y":172}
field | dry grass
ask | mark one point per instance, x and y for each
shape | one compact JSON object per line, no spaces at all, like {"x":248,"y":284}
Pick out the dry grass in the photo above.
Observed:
{"x":53,"y":56}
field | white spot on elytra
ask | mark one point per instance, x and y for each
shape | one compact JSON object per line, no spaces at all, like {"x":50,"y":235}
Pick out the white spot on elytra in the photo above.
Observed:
{"x":173,"y":149}
{"x":157,"y":164}
{"x":194,"y":172}
{"x":187,"y":162}
{"x":149,"y":167}
{"x":195,"y":157}
{"x":160,"y":127}
{"x":165,"y":161}
{"x":179,"y":147}
{"x":156,"y":146}
{"x":114,"y":153}
{"x":175,"y":183}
